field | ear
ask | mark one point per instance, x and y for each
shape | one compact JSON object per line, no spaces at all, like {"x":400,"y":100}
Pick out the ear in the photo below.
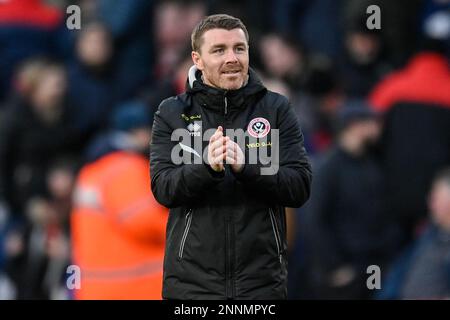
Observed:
{"x":197,"y":59}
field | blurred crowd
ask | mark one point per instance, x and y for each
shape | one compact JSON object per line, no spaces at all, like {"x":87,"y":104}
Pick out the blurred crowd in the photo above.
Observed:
{"x":76,"y":108}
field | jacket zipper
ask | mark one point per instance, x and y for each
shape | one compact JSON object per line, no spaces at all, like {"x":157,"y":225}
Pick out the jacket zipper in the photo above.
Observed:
{"x":228,"y":260}
{"x":229,"y":248}
{"x":276,"y":233}
{"x":229,"y":251}
{"x":185,"y":233}
{"x":226,"y":103}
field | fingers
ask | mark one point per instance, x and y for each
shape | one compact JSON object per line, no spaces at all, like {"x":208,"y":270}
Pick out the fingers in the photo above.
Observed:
{"x":216,"y":135}
{"x":230,"y":160}
{"x":216,"y":142}
{"x":217,"y":146}
{"x":232,"y":146}
{"x":223,"y":150}
{"x":219,"y":159}
{"x":234,"y":154}
{"x":229,"y":145}
{"x":228,"y":149}
{"x":216,"y":163}
{"x":216,"y":150}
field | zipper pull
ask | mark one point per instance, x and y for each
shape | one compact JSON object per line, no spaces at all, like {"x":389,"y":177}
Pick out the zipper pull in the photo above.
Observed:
{"x":226,"y":105}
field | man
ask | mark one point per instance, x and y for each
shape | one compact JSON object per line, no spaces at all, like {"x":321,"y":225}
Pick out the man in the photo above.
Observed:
{"x":28,"y":29}
{"x":35,"y":129}
{"x":423,"y":270}
{"x":346,"y":225}
{"x":415,"y":105}
{"x":226,"y":234}
{"x":117,"y":227}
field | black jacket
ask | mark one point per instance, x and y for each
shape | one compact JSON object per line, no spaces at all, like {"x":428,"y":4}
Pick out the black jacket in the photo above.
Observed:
{"x":226,"y":233}
{"x":28,"y":148}
{"x":346,"y":219}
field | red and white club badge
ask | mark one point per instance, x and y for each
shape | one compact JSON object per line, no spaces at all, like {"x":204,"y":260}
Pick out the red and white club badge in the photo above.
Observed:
{"x":258,"y":128}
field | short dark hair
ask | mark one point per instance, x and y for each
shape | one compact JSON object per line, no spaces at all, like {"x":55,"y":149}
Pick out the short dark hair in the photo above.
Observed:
{"x":443,"y":175}
{"x":215,"y":21}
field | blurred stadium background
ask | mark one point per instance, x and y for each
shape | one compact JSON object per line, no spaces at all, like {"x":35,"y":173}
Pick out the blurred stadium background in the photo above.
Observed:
{"x":62,"y":99}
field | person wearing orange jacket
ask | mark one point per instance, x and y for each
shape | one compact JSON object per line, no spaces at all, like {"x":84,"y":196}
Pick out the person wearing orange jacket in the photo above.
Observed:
{"x":118,"y":228}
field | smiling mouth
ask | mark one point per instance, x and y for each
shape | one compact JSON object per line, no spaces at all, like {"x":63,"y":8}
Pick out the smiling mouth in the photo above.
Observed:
{"x":231,"y":72}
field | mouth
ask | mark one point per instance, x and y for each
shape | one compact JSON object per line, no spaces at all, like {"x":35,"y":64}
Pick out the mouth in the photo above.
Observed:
{"x":232,"y":72}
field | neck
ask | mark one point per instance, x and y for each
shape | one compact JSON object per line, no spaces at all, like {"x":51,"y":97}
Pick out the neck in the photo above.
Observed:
{"x":48,"y":112}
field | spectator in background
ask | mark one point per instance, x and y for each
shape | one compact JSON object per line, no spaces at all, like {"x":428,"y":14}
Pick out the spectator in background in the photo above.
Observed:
{"x":93,"y":86}
{"x":363,"y":63}
{"x":436,"y":21}
{"x":118,"y":228}
{"x":60,"y":183}
{"x":399,"y":24}
{"x":131,"y":25}
{"x":34,"y":131}
{"x":114,"y":137}
{"x":312,"y":83}
{"x":316,"y":23}
{"x":172,"y":85}
{"x":317,"y":103}
{"x":291,"y":68}
{"x":173,"y":22}
{"x":38,"y":263}
{"x":38,"y":251}
{"x":28,"y":28}
{"x":423,"y":271}
{"x":345,"y":223}
{"x":325,"y":97}
{"x":415,"y":103}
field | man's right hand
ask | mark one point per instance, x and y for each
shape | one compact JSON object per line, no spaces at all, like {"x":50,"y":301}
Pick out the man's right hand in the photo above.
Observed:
{"x":217,"y":150}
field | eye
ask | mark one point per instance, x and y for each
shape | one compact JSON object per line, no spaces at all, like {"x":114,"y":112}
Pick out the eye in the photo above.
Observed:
{"x":218,"y":50}
{"x":240,"y":49}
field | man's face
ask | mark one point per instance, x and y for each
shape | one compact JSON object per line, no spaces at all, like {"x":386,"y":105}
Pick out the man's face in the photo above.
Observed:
{"x":363,"y":48}
{"x":439,"y":204}
{"x":223,"y":58}
{"x":371,"y":131}
{"x":366,"y":131}
{"x":272,"y":48}
{"x":94,"y":47}
{"x":51,"y":89}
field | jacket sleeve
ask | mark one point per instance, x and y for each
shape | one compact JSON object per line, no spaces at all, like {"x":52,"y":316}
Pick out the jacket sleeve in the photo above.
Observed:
{"x":289,"y":186}
{"x":175,"y":185}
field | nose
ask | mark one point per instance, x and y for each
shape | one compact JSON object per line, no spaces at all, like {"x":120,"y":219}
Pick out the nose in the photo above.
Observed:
{"x":231,"y":57}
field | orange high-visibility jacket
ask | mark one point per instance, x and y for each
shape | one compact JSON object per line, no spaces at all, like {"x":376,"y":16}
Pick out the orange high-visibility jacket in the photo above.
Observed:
{"x":118,"y":230}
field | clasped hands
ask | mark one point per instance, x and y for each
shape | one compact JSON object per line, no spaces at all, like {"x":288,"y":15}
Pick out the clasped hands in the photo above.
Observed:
{"x":221,"y":150}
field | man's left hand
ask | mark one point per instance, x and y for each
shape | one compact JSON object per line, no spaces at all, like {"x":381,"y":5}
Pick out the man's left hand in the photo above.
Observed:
{"x":235,"y":156}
